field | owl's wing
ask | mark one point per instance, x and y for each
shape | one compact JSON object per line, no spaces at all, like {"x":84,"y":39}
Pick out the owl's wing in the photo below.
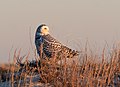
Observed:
{"x":69,"y":53}
{"x":51,"y":44}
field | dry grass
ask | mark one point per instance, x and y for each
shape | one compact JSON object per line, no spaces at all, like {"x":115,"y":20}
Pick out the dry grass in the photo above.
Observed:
{"x":90,"y":71}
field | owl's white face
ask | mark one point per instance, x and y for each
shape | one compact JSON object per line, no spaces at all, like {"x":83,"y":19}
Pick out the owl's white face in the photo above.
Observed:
{"x":44,"y":30}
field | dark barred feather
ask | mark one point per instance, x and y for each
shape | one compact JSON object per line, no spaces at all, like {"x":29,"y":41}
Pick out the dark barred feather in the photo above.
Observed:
{"x":51,"y":46}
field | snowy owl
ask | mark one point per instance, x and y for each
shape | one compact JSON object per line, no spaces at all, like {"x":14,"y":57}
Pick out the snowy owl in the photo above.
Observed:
{"x":49,"y":46}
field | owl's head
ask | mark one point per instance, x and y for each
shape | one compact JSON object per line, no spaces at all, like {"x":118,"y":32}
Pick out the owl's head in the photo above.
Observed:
{"x":43,"y":29}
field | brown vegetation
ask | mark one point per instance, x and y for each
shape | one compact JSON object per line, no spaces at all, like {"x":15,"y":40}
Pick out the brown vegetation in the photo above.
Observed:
{"x":88,"y":72}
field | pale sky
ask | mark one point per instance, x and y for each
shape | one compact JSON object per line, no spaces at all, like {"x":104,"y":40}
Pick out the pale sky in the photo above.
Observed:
{"x":70,"y":21}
